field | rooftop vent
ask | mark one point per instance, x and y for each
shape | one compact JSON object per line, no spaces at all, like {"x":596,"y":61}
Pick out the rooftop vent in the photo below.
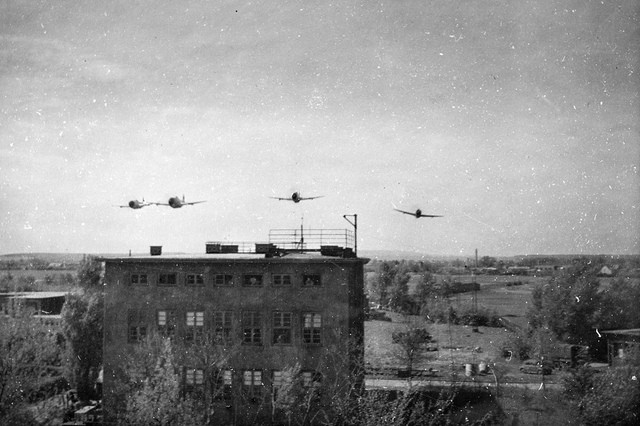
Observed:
{"x":155,"y":250}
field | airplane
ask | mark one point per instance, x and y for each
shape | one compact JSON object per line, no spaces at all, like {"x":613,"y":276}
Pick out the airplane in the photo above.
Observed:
{"x":418,"y":213}
{"x":135,"y":204}
{"x":176,"y":202}
{"x":296,"y":198}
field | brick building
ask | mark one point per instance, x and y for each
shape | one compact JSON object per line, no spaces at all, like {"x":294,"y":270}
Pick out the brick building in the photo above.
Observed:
{"x":269,"y":309}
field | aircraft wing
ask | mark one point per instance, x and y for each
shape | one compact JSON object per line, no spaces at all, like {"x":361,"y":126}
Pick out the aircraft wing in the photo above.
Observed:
{"x":311,"y":198}
{"x":405,"y":212}
{"x":281,"y":198}
{"x":193,"y":202}
{"x":430,"y":215}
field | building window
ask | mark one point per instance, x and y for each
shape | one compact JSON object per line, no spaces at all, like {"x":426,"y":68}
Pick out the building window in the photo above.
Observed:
{"x":222,"y":323}
{"x":136,"y":327}
{"x":195,"y":280}
{"x":251,"y":328}
{"x":167,"y":322}
{"x":139,"y":279}
{"x":282,"y":328}
{"x":223,"y":280}
{"x":281,"y":280}
{"x":195,"y":326}
{"x":252,"y":384}
{"x":252,"y":280}
{"x":280,"y":382}
{"x":311,"y":280}
{"x":193,"y":379}
{"x":224,"y":383}
{"x":312,"y":329}
{"x":311,"y":379}
{"x":137,"y":333}
{"x":168,"y":279}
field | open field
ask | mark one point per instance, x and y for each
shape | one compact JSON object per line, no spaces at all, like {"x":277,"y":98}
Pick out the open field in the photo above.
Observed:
{"x":500,"y":294}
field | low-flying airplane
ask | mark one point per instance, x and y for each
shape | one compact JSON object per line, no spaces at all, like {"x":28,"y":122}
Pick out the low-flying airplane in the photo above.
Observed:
{"x":176,"y":202}
{"x":296,"y":197}
{"x":418,"y":213}
{"x":135,"y":204}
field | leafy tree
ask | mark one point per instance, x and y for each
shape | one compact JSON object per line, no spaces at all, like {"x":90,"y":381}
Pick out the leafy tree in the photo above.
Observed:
{"x":400,"y":300}
{"x":385,"y":281}
{"x":614,"y":398}
{"x":158,"y":399}
{"x":412,"y":345}
{"x":27,"y":349}
{"x":90,"y":273}
{"x":82,"y":327}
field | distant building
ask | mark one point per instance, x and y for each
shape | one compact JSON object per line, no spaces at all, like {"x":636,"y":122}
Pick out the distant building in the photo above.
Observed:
{"x":45,"y":304}
{"x":605,"y":272}
{"x":620,"y":343}
{"x":275,"y":306}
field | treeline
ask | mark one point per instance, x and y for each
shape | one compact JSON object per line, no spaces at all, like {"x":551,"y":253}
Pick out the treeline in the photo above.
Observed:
{"x":621,"y":265}
{"x":389,"y":288}
{"x":576,"y":305}
{"x":61,"y":281}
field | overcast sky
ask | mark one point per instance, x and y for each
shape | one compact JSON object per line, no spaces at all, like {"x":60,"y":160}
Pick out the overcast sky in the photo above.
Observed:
{"x":516,"y":120}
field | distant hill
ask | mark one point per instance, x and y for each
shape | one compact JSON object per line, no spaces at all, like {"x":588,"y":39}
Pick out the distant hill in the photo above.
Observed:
{"x":403,"y":255}
{"x":45,"y":257}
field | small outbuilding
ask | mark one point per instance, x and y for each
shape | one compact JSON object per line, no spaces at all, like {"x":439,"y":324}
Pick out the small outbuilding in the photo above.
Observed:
{"x":620,"y":343}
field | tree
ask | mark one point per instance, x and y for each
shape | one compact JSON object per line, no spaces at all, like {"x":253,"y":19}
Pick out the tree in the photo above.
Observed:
{"x":82,"y":327}
{"x":385,"y":281}
{"x":28,"y":349}
{"x":158,"y":399}
{"x":412,"y":345}
{"x":400,"y":300}
{"x":90,"y":273}
{"x":488,"y":261}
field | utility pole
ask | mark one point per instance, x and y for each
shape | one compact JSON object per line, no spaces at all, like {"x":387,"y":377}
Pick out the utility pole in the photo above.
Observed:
{"x":355,"y":230}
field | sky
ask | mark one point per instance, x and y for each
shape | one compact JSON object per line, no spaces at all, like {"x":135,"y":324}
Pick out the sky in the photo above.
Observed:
{"x":515,"y":120}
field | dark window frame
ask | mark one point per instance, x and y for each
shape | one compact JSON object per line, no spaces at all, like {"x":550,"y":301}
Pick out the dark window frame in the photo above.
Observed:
{"x":139,"y":279}
{"x":311,"y":280}
{"x":168,"y":279}
{"x":136,"y":333}
{"x":223,"y":280}
{"x":252,"y":328}
{"x":194,"y":280}
{"x":223,"y":326}
{"x":247,"y":280}
{"x":282,"y":280}
{"x":282,"y":328}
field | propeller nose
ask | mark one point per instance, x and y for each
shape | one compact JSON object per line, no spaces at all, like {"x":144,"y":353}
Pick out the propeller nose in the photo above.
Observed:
{"x":172,"y":201}
{"x":132,"y":204}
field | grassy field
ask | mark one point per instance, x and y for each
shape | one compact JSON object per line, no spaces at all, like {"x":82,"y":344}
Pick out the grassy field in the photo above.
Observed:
{"x":456,"y":344}
{"x":498,"y":293}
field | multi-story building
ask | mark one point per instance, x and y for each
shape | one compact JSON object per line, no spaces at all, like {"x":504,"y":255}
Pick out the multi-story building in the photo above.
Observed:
{"x":272,"y":310}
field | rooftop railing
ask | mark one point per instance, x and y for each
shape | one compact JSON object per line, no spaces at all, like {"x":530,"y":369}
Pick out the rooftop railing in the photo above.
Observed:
{"x":327,"y":241}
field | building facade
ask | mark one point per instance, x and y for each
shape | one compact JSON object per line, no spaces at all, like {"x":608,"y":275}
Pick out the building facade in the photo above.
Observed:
{"x":253,"y":320}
